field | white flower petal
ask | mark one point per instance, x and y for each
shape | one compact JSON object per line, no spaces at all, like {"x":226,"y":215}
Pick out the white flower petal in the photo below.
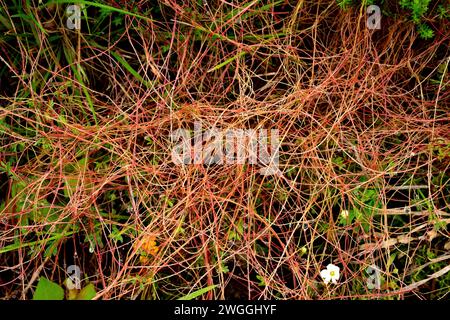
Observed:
{"x":344,"y":214}
{"x":333,"y":271}
{"x":325,"y":274}
{"x":337,"y":275}
{"x":332,"y":267}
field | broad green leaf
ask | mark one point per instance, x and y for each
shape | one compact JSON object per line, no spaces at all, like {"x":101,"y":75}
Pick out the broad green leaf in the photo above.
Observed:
{"x":48,"y":290}
{"x":87,"y":293}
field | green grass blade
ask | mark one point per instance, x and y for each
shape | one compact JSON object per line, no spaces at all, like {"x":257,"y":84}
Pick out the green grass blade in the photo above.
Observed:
{"x":197,"y":293}
{"x":130,"y":69}
{"x":100,"y":5}
{"x":222,"y":64}
{"x":16,"y":246}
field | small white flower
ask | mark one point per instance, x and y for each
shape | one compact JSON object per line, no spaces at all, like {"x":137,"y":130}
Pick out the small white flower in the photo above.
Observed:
{"x":331,"y":273}
{"x":344,"y":214}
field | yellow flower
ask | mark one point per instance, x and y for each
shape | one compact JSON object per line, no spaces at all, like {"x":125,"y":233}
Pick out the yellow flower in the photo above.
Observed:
{"x":148,"y":247}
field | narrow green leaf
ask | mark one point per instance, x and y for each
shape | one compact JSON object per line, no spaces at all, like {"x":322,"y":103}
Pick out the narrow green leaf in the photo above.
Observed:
{"x":220,"y":65}
{"x":130,"y":69}
{"x":99,"y":5}
{"x":197,"y":293}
